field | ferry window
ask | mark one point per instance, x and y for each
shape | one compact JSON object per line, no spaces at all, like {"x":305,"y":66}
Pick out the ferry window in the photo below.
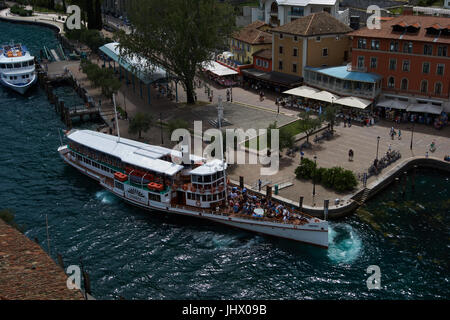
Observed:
{"x":118,"y":185}
{"x":197,"y":197}
{"x":31,"y":63}
{"x":17,"y":65}
{"x":208,"y":197}
{"x":9,"y":66}
{"x":203,"y":198}
{"x":154,"y":197}
{"x":207,"y":178}
{"x":2,"y":66}
{"x":199,"y":179}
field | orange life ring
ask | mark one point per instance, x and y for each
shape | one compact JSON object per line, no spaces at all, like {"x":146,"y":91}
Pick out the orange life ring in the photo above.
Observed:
{"x":213,"y":190}
{"x":316,"y":220}
{"x":185,"y":187}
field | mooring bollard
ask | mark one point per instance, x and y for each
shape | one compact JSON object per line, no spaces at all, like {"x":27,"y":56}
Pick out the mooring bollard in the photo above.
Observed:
{"x":325,"y":209}
{"x":241,"y":182}
{"x":269,"y":192}
{"x":300,"y":203}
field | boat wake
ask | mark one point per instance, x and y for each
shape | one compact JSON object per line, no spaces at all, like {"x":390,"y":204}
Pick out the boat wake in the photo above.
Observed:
{"x":344,"y":243}
{"x":106,"y":197}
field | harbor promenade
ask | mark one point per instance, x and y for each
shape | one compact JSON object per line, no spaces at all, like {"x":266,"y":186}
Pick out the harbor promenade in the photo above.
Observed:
{"x":49,"y":19}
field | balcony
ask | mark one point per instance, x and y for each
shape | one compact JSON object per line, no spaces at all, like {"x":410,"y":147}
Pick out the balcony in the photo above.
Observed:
{"x":351,"y":68}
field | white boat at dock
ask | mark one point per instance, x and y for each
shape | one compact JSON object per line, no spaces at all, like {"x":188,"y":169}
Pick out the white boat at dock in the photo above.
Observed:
{"x":147,"y":177}
{"x":17,"y":68}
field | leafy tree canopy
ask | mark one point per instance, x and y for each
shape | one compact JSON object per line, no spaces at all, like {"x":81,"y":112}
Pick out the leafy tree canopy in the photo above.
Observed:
{"x":177,"y":35}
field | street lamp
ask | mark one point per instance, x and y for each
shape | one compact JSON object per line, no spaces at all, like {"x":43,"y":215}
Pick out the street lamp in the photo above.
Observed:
{"x":378,"y":142}
{"x":412,"y":133}
{"x":314,"y":180}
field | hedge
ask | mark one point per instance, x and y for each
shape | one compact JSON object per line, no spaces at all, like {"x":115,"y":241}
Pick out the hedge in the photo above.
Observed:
{"x":335,"y":178}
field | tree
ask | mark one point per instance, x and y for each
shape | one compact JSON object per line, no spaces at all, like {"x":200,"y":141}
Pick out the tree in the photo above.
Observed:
{"x":309,"y":124}
{"x":177,"y":35}
{"x":286,"y":139}
{"x":141,"y":122}
{"x":330,"y":115}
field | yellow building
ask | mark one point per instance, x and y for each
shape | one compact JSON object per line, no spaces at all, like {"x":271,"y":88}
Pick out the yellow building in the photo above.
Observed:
{"x":250,"y":39}
{"x":317,"y":40}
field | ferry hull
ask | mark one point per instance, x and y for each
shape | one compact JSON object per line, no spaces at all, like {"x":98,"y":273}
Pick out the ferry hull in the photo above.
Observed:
{"x":312,"y":233}
{"x":19,"y":89}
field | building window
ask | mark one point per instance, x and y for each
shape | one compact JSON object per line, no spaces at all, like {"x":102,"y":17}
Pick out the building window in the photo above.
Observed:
{"x":324,"y":52}
{"x":295,"y":38}
{"x":297,"y":11}
{"x":394,"y":46}
{"x":362,"y":43}
{"x":360,"y":62}
{"x":295,"y":52}
{"x":338,"y":38}
{"x":440,"y":70}
{"x":248,"y":48}
{"x":442,"y":51}
{"x":294,"y":67}
{"x":280,"y":50}
{"x":392,"y":64}
{"x":373,"y":62}
{"x":318,"y":39}
{"x":391,"y":82}
{"x":405,"y":65}
{"x":281,"y":36}
{"x":375,"y":45}
{"x":407,"y":47}
{"x":424,"y":86}
{"x":280,"y":65}
{"x":438,"y":88}
{"x":428,"y":49}
{"x":426,"y":67}
{"x":404,"y":84}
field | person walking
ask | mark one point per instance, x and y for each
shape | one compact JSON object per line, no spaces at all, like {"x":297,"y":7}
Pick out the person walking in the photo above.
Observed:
{"x":399,"y":134}
{"x":259,"y":184}
{"x":350,"y":155}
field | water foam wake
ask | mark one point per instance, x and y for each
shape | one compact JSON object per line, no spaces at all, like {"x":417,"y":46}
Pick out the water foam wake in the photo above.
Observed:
{"x":344,"y":243}
{"x":105,"y":197}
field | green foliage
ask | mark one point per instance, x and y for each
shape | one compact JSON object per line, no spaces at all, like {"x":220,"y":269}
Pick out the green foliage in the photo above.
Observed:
{"x":286,"y":139}
{"x":330,"y":115}
{"x":19,"y":10}
{"x":306,"y":169}
{"x":177,"y":35}
{"x":335,"y":178}
{"x":141,"y":122}
{"x":101,"y":77}
{"x":92,"y":38}
{"x":309,"y":124}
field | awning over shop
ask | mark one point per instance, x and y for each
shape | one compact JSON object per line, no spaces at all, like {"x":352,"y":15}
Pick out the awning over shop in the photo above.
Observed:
{"x":218,"y":69}
{"x":354,"y":102}
{"x":325,"y":96}
{"x":303,"y":91}
{"x":425,"y":108}
{"x":393,"y":104}
{"x":146,"y":72}
{"x":273,"y":77}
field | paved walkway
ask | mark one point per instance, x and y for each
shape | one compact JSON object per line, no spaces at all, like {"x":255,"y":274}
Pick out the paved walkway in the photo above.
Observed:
{"x":46,"y":18}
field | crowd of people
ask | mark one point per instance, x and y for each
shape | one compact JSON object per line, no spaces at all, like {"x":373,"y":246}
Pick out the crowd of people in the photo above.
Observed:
{"x":243,"y":202}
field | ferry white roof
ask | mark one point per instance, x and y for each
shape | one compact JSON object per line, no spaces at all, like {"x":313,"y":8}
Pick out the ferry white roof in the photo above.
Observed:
{"x":133,"y":152}
{"x":210,"y":167}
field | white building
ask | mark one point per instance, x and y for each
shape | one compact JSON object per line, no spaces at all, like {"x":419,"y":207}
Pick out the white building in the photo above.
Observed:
{"x":280,"y":12}
{"x":447,"y":4}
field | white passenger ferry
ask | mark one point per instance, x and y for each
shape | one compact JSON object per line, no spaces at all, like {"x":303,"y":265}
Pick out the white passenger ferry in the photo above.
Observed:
{"x":17,"y":69}
{"x":146,"y":176}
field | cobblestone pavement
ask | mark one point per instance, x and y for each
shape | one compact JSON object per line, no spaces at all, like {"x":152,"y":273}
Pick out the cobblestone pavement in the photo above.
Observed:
{"x":27,"y":272}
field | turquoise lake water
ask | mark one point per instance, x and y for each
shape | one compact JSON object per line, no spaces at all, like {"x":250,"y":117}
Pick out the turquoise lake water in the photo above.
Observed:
{"x":139,"y":255}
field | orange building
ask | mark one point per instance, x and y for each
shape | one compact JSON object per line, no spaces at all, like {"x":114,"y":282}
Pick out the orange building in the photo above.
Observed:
{"x":411,"y":53}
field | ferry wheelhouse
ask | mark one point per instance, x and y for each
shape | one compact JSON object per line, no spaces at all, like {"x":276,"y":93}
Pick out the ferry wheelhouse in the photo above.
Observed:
{"x":17,"y":68}
{"x":148,"y":177}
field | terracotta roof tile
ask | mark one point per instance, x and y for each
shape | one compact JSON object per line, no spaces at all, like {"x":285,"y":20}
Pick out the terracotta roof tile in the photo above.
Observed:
{"x":252,"y":35}
{"x":424,"y":22}
{"x":320,"y":23}
{"x":264,"y":53}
